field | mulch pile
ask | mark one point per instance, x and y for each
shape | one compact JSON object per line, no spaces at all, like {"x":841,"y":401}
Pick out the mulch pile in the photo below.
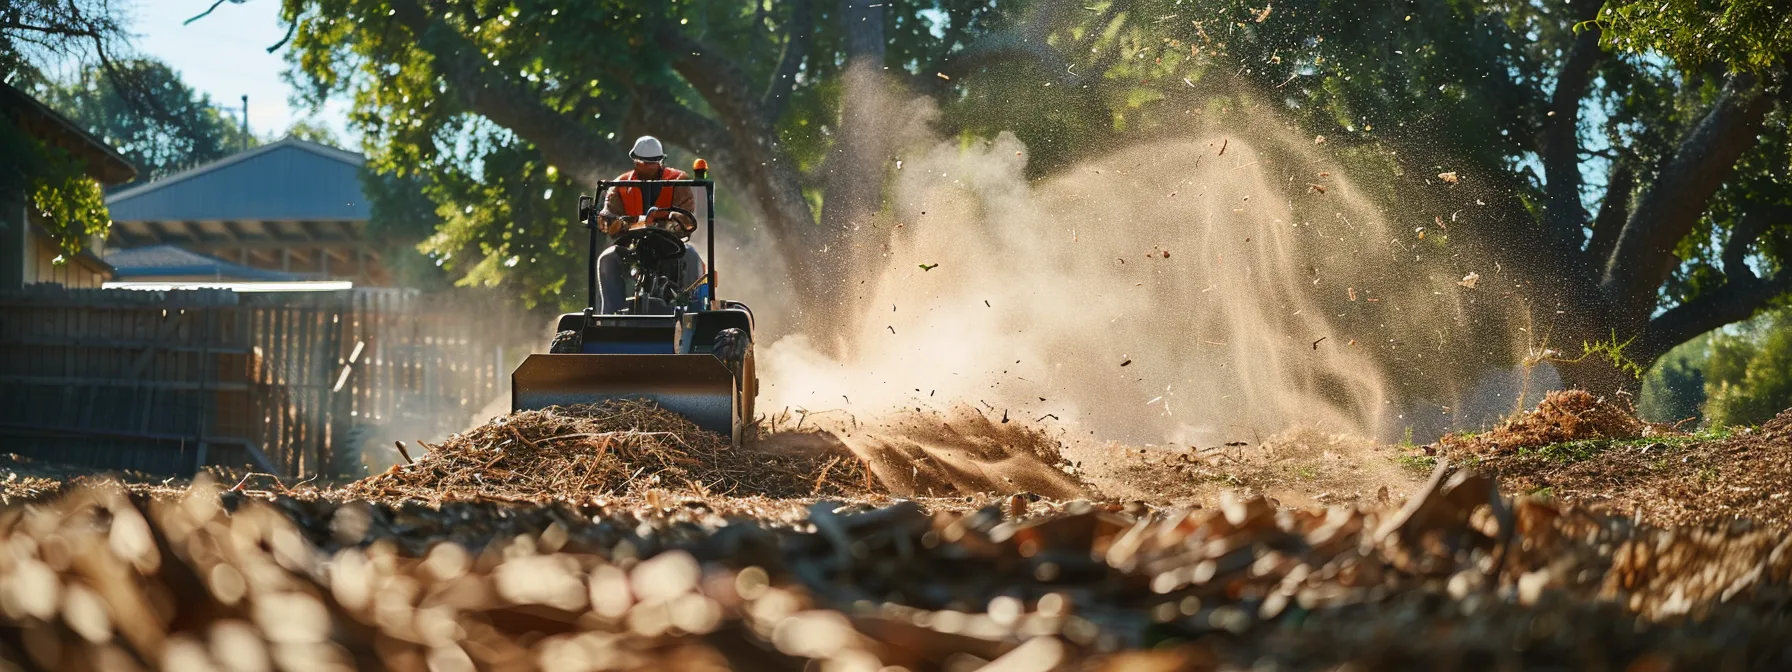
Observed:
{"x":1562,"y":416}
{"x":1460,"y":577}
{"x":618,"y":447}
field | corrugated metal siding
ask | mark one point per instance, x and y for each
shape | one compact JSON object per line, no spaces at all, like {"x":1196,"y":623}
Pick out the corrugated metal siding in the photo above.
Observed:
{"x":285,"y":184}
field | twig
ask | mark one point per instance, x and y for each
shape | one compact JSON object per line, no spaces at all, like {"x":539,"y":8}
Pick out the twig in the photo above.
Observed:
{"x":404,"y":453}
{"x":519,"y":437}
{"x":823,"y":478}
{"x":239,"y":485}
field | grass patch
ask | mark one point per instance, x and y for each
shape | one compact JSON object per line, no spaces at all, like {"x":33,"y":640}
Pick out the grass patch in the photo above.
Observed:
{"x":1575,"y":451}
{"x":1422,"y":464}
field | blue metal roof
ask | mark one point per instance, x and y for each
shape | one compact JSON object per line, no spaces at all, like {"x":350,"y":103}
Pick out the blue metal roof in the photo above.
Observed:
{"x":163,"y":261}
{"x":290,"y":180}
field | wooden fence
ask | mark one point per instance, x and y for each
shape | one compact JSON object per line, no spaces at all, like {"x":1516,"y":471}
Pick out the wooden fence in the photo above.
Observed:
{"x":295,"y":384}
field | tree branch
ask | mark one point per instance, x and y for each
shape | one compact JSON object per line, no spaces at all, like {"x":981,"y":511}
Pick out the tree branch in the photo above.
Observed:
{"x":1736,"y":300}
{"x":658,"y":113}
{"x":1672,"y":204}
{"x":770,"y":177}
{"x":1745,"y":233}
{"x":574,"y":148}
{"x":207,"y":12}
{"x":777,"y":92}
{"x":1562,"y":212}
{"x":1613,"y":210}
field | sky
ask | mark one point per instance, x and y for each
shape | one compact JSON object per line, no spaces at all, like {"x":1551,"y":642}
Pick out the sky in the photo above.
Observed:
{"x":225,"y":56}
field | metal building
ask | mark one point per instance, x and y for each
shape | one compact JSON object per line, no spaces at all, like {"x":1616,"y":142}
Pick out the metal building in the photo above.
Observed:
{"x":294,"y":207}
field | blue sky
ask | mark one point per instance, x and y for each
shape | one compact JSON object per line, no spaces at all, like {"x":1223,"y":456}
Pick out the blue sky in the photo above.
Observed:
{"x":225,"y":56}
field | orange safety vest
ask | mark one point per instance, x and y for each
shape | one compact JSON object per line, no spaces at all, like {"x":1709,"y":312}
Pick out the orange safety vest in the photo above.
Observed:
{"x":631,"y":196}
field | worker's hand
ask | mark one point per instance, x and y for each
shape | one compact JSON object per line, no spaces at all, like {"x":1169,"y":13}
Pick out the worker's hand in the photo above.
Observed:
{"x":614,"y":226}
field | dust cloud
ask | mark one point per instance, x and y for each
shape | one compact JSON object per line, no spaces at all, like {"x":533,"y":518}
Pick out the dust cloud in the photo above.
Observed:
{"x":1168,"y":293}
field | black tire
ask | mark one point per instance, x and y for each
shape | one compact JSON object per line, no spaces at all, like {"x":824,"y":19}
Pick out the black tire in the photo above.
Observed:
{"x":569,"y":342}
{"x":735,"y":348}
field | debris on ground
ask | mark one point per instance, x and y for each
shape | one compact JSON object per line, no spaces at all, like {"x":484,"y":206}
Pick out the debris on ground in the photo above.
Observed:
{"x":1562,"y":416}
{"x":613,"y":448}
{"x":1461,"y":575}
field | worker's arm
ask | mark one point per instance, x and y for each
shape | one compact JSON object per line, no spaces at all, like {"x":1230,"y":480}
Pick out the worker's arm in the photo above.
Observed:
{"x":683,"y":200}
{"x":610,"y":220}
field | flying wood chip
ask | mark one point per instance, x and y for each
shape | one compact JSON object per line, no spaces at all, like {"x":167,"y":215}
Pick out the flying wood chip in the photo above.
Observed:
{"x":1448,"y":178}
{"x":928,"y":267}
{"x":1470,"y":280}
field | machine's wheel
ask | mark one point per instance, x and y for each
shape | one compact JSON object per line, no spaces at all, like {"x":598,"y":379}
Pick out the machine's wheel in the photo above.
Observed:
{"x":750,"y":379}
{"x":569,"y":342}
{"x":735,"y":348}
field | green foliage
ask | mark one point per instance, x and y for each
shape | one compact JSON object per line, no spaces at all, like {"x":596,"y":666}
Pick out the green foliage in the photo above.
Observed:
{"x":1611,"y":351}
{"x":311,"y":131}
{"x":514,"y":230}
{"x":1748,"y":378}
{"x":70,"y":203}
{"x":1575,"y":451}
{"x":1674,"y":388}
{"x":172,"y":129}
{"x":1738,"y":34}
{"x":1418,"y":464}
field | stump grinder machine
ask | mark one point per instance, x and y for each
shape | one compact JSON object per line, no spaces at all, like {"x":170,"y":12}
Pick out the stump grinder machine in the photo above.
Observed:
{"x":680,"y":346}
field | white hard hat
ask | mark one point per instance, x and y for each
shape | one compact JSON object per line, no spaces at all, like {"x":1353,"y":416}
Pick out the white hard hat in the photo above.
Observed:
{"x":647,"y":148}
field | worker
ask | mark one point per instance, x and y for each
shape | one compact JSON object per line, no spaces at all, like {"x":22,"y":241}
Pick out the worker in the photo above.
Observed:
{"x":626,"y":207}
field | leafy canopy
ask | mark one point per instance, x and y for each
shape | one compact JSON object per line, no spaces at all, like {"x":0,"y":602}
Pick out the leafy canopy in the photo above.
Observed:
{"x":1748,"y":35}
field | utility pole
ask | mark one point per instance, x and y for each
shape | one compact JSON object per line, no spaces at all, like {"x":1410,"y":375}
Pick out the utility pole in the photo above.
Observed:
{"x":245,"y":122}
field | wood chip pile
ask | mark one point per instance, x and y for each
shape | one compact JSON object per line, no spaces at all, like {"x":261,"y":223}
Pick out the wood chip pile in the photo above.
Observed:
{"x":617,"y":447}
{"x":1563,"y":415}
{"x":1461,"y":576}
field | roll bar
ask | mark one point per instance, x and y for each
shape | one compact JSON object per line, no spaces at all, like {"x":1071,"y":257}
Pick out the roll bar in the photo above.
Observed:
{"x":588,"y":213}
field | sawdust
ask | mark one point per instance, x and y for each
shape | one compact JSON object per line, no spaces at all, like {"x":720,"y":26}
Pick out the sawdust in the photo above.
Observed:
{"x":617,"y":447}
{"x":959,"y":451}
{"x":1296,"y":468}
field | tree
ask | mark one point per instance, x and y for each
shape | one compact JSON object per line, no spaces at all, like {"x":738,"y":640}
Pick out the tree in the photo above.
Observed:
{"x":311,"y":131}
{"x":1743,"y":35}
{"x":36,"y":33}
{"x":185,"y":129}
{"x":1748,"y":378}
{"x":1674,"y":389}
